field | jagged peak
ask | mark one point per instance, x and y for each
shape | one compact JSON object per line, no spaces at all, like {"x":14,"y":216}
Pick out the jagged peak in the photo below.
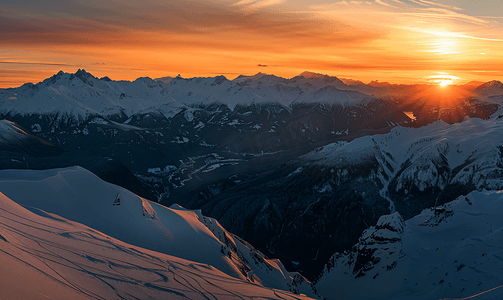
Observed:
{"x":86,"y":77}
{"x":349,"y":81}
{"x":143,"y":79}
{"x":324,"y":77}
{"x":148,"y":82}
{"x":219,"y":80}
{"x":165,"y":79}
{"x":242,"y":78}
{"x":308,"y":74}
{"x":82,"y":72}
{"x":376,"y":83}
{"x":491,"y":84}
{"x":54,"y":78}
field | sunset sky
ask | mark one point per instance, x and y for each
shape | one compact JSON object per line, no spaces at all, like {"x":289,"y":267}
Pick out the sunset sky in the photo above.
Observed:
{"x":400,"y":41}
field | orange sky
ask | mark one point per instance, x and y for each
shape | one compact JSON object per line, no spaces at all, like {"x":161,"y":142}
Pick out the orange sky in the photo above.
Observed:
{"x":400,"y":41}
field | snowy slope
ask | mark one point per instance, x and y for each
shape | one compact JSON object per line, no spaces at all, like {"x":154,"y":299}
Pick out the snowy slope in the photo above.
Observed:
{"x":11,"y":133}
{"x":46,"y":256}
{"x":428,"y":159}
{"x":78,"y":195}
{"x":458,"y":141}
{"x":454,"y":251}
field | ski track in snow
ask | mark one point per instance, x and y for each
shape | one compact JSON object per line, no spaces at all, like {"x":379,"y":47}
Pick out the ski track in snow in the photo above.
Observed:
{"x":79,"y":258}
{"x":81,"y":262}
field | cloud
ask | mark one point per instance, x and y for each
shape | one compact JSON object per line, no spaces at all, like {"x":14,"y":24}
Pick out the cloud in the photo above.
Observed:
{"x":206,"y":27}
{"x":244,"y":2}
{"x":455,"y":35}
{"x":34,"y":63}
{"x":418,"y":2}
{"x":257,"y":4}
{"x":439,"y":4}
{"x":442,"y":13}
{"x":383,"y":3}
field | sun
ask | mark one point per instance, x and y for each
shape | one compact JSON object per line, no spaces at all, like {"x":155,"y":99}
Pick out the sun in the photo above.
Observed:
{"x":443,"y":79}
{"x":445,"y":82}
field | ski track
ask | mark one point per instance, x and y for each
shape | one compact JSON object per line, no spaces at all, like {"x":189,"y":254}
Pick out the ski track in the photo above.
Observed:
{"x":65,"y":251}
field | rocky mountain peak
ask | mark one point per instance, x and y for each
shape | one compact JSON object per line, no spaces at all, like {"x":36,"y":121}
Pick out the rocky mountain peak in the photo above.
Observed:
{"x":86,"y":77}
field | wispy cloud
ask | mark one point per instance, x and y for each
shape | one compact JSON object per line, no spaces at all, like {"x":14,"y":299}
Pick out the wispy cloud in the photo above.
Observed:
{"x":257,"y":4}
{"x":426,"y":2}
{"x":34,"y":63}
{"x":418,"y":2}
{"x":453,"y":34}
{"x":381,"y":2}
{"x":244,"y":2}
{"x":442,"y":13}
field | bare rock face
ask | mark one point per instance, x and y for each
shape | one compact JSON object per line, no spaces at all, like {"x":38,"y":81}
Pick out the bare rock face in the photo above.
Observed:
{"x":445,"y":252}
{"x":378,"y":250}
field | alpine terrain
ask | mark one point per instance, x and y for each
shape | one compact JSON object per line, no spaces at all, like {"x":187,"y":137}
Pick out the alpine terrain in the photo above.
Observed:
{"x":260,"y":187}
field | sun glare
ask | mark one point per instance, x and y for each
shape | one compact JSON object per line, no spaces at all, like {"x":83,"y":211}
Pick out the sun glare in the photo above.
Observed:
{"x":445,"y":82}
{"x":443,"y":79}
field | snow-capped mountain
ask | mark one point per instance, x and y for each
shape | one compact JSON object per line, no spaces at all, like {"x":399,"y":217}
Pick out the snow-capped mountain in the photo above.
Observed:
{"x":72,"y":98}
{"x":80,"y":95}
{"x":78,"y":195}
{"x":306,"y":81}
{"x":176,"y":125}
{"x":452,"y":251}
{"x":323,"y":200}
